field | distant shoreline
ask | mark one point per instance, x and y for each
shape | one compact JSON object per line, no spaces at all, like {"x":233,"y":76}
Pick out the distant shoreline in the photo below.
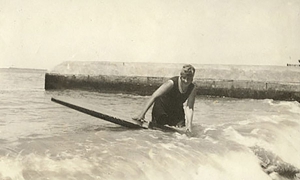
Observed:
{"x":23,"y":69}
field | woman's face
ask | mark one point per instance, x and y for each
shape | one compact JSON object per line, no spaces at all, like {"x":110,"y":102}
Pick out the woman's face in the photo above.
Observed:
{"x":187,"y":80}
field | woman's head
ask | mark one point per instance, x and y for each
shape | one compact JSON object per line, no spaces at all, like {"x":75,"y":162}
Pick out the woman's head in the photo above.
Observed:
{"x":187,"y":70}
{"x":187,"y":73}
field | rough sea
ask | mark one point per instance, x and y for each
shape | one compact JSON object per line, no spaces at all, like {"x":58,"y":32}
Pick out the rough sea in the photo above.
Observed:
{"x":233,"y":139}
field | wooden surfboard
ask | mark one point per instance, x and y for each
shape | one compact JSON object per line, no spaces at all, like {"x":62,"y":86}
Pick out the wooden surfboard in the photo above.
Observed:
{"x":104,"y":114}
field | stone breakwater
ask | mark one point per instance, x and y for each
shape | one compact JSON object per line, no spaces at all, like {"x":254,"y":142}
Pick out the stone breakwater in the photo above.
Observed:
{"x":257,"y":82}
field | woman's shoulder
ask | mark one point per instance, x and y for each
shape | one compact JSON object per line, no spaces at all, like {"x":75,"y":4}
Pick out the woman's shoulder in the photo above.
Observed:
{"x":170,"y":82}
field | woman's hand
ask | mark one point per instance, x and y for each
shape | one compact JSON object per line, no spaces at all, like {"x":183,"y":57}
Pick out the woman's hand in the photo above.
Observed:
{"x":139,"y":118}
{"x":188,"y":132}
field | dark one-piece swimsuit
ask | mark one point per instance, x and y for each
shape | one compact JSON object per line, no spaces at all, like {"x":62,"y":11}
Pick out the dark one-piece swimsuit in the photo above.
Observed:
{"x":168,"y":108}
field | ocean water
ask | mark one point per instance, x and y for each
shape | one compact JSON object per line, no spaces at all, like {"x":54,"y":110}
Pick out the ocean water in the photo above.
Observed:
{"x":233,"y":139}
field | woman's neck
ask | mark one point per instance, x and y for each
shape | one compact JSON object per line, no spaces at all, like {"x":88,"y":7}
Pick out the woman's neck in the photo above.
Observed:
{"x":182,"y":87}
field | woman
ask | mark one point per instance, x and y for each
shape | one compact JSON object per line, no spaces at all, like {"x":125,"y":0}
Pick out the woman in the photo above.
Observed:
{"x":168,"y":101}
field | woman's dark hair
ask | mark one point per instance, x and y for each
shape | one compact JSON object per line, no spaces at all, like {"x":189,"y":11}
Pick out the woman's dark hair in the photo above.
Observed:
{"x":187,"y":70}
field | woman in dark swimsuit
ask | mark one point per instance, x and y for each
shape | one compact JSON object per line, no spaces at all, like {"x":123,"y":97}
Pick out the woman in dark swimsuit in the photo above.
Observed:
{"x":169,"y":98}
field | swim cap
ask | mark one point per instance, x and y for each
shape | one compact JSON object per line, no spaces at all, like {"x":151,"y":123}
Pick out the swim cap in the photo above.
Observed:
{"x":187,"y":70}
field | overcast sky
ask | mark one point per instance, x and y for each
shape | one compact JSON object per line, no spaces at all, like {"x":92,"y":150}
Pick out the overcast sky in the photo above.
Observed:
{"x":44,"y":33}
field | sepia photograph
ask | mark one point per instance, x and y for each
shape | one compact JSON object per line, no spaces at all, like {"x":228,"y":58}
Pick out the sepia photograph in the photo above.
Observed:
{"x":149,"y":90}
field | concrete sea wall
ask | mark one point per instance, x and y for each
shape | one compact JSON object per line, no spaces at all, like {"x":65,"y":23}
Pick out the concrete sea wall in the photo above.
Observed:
{"x":257,"y":82}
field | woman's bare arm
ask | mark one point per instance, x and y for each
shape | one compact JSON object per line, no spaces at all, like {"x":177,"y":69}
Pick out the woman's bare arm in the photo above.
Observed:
{"x":189,"y":110}
{"x":167,"y":86}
